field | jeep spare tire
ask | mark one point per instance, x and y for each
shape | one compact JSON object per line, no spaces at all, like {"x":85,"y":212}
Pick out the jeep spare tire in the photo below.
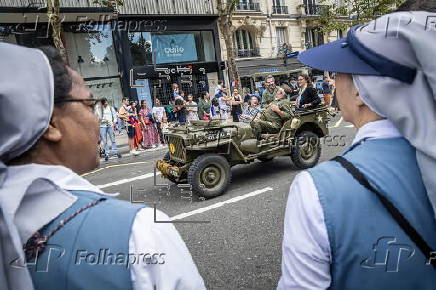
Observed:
{"x":209,"y":175}
{"x":306,"y":150}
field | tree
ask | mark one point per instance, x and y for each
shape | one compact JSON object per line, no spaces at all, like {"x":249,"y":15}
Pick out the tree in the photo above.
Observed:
{"x":352,"y":12}
{"x":226,"y":9}
{"x":55,"y":22}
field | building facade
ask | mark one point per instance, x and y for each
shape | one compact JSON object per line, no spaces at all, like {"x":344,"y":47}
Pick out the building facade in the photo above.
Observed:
{"x":262,"y":27}
{"x":136,"y":51}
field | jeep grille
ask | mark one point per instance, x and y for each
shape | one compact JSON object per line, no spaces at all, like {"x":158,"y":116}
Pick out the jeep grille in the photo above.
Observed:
{"x":179,"y":153}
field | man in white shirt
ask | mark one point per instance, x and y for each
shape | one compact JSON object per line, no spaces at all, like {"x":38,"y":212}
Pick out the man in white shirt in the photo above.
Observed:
{"x":107,"y":117}
{"x":159,"y":114}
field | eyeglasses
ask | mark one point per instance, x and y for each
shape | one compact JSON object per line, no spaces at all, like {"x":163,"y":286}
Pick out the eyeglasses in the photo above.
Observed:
{"x":87,"y":102}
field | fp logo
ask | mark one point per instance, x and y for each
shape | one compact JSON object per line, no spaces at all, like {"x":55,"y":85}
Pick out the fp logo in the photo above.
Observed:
{"x":40,"y":263}
{"x":388,"y":255}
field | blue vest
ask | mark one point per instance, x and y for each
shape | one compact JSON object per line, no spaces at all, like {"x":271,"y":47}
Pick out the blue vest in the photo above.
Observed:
{"x":369,"y":249}
{"x":89,"y":252}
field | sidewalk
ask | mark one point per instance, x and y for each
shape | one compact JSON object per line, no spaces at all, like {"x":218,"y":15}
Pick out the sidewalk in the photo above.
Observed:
{"x":123,"y":144}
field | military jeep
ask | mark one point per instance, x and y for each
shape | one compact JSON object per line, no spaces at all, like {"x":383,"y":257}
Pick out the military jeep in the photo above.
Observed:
{"x":201,"y":153}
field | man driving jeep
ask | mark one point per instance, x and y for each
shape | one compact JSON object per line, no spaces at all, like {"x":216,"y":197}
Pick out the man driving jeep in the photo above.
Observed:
{"x":274,"y":116}
{"x":270,"y":93}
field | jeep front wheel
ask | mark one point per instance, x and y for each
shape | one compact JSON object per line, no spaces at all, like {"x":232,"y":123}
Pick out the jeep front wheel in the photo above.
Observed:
{"x":209,"y":175}
{"x":306,"y":151}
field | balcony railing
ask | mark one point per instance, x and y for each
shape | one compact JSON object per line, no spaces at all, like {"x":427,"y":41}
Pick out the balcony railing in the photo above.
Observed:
{"x":248,"y":7}
{"x":280,"y":9}
{"x":253,"y":52}
{"x":314,"y":9}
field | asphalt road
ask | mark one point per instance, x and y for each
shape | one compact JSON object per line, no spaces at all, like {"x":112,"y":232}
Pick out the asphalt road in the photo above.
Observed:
{"x":240,"y":245}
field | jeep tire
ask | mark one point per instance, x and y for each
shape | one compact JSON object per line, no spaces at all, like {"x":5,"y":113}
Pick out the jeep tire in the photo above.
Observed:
{"x":306,"y":150}
{"x":209,"y":175}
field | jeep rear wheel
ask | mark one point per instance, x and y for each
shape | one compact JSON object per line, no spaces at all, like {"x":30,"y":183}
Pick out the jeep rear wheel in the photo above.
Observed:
{"x":306,"y":151}
{"x":209,"y":175}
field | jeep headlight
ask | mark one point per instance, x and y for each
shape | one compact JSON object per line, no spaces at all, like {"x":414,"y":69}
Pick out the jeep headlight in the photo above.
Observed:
{"x":172,"y":148}
{"x":211,"y":136}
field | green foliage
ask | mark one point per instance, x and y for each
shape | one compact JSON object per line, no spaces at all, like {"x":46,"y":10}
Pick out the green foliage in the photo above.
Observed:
{"x":352,"y":12}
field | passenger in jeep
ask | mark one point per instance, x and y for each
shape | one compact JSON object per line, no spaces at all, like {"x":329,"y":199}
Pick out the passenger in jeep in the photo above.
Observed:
{"x":274,"y":116}
{"x":307,"y":96}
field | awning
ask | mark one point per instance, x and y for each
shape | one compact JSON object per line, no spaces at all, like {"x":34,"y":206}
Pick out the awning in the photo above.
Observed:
{"x":268,"y":66}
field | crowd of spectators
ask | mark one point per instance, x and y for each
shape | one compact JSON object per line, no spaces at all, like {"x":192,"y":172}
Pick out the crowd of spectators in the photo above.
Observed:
{"x":145,"y":125}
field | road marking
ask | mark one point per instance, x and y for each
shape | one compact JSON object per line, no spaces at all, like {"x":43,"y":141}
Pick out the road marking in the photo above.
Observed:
{"x":127,"y":180}
{"x":115,"y":165}
{"x":220,"y":204}
{"x":338,"y":122}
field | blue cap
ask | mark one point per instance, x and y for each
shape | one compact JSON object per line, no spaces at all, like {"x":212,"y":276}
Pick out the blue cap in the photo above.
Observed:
{"x":349,"y":55}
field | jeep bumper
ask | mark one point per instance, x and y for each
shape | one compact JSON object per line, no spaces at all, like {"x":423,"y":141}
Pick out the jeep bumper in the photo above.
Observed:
{"x":167,"y":169}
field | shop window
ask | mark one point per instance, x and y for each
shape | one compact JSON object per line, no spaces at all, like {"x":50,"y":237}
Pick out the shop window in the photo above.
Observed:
{"x":26,"y":36}
{"x":92,"y":54}
{"x":163,"y":91}
{"x":171,"y":47}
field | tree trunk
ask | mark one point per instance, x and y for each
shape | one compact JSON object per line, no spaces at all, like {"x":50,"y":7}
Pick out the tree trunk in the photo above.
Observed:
{"x":225,"y":24}
{"x":55,"y":22}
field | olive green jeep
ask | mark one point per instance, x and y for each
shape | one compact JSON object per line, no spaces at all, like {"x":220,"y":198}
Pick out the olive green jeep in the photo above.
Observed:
{"x":201,"y":153}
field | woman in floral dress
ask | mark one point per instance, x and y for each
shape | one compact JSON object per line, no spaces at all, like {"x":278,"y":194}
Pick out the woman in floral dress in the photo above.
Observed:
{"x":149,"y":132}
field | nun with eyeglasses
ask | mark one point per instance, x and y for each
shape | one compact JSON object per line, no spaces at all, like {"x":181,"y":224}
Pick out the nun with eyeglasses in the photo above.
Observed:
{"x":366,"y":219}
{"x":57,"y":230}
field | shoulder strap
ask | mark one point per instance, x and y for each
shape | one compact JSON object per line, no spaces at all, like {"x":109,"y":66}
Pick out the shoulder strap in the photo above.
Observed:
{"x":395,"y":213}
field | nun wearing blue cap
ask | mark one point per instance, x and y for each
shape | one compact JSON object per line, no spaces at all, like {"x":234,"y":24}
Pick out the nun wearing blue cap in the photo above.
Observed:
{"x":57,"y":230}
{"x":366,"y":219}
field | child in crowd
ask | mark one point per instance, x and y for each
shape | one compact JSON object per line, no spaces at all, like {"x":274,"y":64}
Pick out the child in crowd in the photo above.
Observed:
{"x":192,"y":111}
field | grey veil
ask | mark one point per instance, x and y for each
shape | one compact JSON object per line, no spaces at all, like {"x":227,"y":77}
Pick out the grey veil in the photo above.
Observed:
{"x":408,"y":38}
{"x":26,"y":106}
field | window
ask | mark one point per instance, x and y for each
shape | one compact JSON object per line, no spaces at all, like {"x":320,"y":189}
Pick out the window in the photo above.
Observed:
{"x":250,"y":5}
{"x":313,"y":38}
{"x":26,"y":36}
{"x":281,"y":36}
{"x":92,"y":54}
{"x":171,"y":47}
{"x":244,"y":42}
